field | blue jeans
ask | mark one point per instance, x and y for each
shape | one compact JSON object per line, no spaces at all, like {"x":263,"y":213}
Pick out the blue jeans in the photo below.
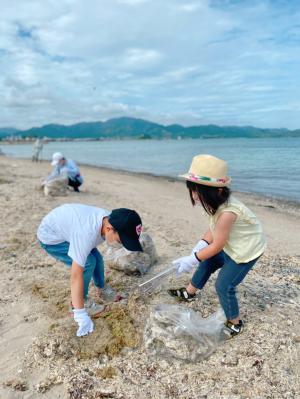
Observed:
{"x":230,"y":275}
{"x":94,"y":266}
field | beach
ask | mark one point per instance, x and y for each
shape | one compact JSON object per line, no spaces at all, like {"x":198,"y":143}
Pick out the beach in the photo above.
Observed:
{"x":39,"y":354}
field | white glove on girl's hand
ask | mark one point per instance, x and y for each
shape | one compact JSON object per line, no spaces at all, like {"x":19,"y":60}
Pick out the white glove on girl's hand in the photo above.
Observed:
{"x":186,"y":263}
{"x":85,"y":324}
{"x":200,"y":245}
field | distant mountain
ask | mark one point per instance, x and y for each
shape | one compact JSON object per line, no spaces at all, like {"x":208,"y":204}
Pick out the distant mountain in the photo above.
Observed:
{"x":127,"y":127}
{"x":7,"y":131}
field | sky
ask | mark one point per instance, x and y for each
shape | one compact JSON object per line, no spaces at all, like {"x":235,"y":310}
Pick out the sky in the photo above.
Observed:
{"x":226,"y":62}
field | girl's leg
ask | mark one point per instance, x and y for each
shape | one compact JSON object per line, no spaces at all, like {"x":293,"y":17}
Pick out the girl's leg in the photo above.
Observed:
{"x":200,"y":277}
{"x":98,"y":275}
{"x":229,"y":277}
{"x":204,"y":271}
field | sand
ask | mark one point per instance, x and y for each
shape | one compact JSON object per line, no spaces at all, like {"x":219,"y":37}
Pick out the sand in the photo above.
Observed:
{"x":39,"y":354}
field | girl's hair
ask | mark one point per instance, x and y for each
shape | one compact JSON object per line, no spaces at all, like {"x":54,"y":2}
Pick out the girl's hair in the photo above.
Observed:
{"x":210,"y":197}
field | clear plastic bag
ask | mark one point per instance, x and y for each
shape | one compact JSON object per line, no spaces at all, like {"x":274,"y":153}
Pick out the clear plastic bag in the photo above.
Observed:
{"x":57,"y":186}
{"x":180,"y":332}
{"x":132,"y":262}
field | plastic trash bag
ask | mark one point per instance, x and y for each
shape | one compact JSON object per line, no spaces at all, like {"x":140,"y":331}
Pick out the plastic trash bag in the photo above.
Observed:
{"x":56,"y":187}
{"x":180,"y":332}
{"x":131,"y":262}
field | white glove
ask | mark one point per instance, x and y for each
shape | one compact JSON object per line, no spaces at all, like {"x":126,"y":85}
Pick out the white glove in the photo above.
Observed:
{"x":200,"y":245}
{"x":186,"y":263}
{"x":85,"y":324}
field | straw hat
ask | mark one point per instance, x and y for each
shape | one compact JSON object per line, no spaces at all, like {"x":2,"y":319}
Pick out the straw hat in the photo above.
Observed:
{"x":209,"y":171}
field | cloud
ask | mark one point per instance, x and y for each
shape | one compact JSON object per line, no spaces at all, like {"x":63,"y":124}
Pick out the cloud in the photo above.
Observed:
{"x":132,"y":2}
{"x":190,"y":7}
{"x":177,"y":61}
{"x":137,"y":57}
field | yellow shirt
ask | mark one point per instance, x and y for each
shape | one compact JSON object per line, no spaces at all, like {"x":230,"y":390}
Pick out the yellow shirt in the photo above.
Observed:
{"x":246,"y":241}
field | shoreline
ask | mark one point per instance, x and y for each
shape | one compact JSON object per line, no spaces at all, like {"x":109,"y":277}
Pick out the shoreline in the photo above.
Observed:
{"x":283,"y":204}
{"x":254,"y":195}
{"x":138,"y":138}
{"x":272,"y":202}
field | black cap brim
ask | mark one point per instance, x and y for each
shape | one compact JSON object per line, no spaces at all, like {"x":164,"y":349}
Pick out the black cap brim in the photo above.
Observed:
{"x":132,"y":244}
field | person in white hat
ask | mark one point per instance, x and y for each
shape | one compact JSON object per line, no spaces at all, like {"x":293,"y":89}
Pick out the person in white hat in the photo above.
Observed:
{"x":61,"y":165}
{"x":232,"y":244}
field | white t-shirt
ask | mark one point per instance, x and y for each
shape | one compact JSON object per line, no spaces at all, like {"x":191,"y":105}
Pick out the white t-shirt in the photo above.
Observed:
{"x":78,"y":224}
{"x":69,"y":168}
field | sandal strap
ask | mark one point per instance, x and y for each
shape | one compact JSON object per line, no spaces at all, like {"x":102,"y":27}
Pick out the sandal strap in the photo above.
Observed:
{"x":182,"y":293}
{"x":185,"y":294}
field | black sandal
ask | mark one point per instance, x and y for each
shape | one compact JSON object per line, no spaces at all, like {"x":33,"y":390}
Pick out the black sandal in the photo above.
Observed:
{"x":182,"y":294}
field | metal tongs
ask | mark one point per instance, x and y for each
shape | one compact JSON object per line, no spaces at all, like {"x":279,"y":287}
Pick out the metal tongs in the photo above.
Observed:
{"x":150,"y":285}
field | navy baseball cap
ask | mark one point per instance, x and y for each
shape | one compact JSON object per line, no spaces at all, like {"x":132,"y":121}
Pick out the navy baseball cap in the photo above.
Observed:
{"x":128,"y":224}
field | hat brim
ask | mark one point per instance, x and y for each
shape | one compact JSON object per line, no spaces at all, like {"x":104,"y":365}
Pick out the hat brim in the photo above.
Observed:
{"x":54,"y":163}
{"x":186,"y":176}
{"x":132,"y":244}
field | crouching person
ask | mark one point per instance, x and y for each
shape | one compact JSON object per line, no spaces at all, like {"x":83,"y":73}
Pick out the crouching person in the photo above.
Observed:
{"x":71,"y":234}
{"x":68,"y":167}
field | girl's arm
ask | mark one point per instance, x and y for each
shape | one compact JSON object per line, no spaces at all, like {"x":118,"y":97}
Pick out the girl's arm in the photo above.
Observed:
{"x":208,"y":237}
{"x":221,"y":235}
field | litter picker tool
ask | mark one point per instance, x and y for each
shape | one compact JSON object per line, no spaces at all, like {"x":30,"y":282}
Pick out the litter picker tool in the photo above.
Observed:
{"x":150,"y":285}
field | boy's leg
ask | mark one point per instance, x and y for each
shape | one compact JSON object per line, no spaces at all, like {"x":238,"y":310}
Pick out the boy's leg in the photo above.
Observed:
{"x":205,"y":269}
{"x":93,"y":268}
{"x":98,"y":275}
{"x":88,"y":272}
{"x":229,"y":277}
{"x":59,"y":252}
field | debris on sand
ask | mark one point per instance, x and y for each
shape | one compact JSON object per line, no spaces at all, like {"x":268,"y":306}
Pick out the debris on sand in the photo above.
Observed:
{"x":114,"y":330}
{"x":16,"y":385}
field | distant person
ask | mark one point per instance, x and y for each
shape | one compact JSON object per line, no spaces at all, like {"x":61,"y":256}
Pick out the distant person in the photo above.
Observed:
{"x":37,"y":150}
{"x":232,"y":244}
{"x":71,"y":234}
{"x":61,"y":166}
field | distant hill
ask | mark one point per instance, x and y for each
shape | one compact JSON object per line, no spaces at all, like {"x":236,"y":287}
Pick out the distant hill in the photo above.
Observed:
{"x":7,"y":131}
{"x":127,"y":127}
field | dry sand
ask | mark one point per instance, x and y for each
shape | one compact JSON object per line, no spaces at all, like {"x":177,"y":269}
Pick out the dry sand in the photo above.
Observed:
{"x":39,"y":354}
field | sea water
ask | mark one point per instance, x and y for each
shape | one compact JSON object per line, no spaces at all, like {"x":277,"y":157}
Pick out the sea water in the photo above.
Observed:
{"x":269,"y":166}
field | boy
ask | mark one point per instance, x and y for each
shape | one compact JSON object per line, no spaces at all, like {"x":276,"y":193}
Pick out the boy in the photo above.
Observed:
{"x":71,"y":233}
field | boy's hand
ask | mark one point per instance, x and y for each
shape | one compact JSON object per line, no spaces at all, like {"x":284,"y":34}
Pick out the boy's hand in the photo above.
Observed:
{"x":186,"y":263}
{"x":85,"y":324}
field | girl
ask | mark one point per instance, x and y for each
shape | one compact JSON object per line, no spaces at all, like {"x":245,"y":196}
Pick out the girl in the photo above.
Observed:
{"x":233,"y":243}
